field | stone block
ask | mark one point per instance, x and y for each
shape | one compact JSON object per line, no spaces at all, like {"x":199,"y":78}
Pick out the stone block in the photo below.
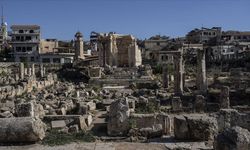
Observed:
{"x":58,"y":124}
{"x":21,"y":129}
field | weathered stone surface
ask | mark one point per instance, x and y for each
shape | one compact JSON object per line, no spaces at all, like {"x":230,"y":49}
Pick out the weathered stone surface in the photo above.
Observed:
{"x":82,"y":108}
{"x":30,"y":109}
{"x":118,"y":123}
{"x":71,"y":119}
{"x":195,"y":127}
{"x":89,"y":119}
{"x":228,"y":118}
{"x":21,"y":129}
{"x":58,"y":124}
{"x":199,"y":104}
{"x":235,"y":138}
{"x":176,"y":103}
{"x":91,"y":105}
{"x":224,"y":97}
{"x":73,"y":129}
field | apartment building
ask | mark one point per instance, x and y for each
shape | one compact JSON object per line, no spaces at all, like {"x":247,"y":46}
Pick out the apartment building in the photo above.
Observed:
{"x":25,"y":41}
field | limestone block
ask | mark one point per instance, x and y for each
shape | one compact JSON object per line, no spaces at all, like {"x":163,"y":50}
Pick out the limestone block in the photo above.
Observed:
{"x":195,"y":127}
{"x":176,"y":103}
{"x":224,"y":97}
{"x":91,"y":105}
{"x":235,"y":138}
{"x":30,"y":109}
{"x":21,"y":129}
{"x":199,"y":104}
{"x":58,"y":124}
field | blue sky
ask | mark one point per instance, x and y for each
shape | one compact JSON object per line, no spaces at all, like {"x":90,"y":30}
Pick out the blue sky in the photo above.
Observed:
{"x":142,"y":18}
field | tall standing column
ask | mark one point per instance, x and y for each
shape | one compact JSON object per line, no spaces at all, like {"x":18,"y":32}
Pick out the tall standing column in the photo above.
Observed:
{"x":41,"y":70}
{"x":201,"y":78}
{"x":21,"y":71}
{"x":165,"y":75}
{"x":33,"y":70}
{"x":178,"y":78}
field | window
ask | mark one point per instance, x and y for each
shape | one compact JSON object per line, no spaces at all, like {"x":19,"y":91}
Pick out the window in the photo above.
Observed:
{"x":23,"y":49}
{"x":29,"y":48}
{"x":20,"y":31}
{"x":158,"y":43}
{"x":31,"y":31}
{"x":18,"y":49}
{"x":28,"y":38}
{"x":56,"y":60}
{"x":46,"y":60}
{"x":18,"y":38}
{"x":166,"y":57}
{"x":32,"y":59}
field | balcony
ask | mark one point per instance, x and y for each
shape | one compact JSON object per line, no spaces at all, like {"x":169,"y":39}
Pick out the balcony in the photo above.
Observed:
{"x":24,"y":41}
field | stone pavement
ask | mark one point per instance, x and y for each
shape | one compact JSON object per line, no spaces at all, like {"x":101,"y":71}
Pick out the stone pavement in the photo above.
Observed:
{"x":90,"y":146}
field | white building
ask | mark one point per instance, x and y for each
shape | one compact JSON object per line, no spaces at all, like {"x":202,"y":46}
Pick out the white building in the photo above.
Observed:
{"x":25,"y":41}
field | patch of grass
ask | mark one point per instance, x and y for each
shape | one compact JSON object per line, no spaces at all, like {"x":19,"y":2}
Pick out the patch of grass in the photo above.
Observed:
{"x":55,"y":137}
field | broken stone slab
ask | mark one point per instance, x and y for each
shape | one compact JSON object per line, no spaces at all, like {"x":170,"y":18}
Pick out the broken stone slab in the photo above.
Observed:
{"x":21,"y":129}
{"x":235,"y":138}
{"x":91,"y":105}
{"x":89,"y":119}
{"x":70,"y":119}
{"x":73,"y":129}
{"x":195,"y":127}
{"x":58,"y":124}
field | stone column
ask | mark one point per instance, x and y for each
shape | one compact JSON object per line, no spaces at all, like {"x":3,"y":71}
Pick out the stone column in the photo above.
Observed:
{"x":201,"y":78}
{"x":224,"y":97}
{"x":30,"y":71}
{"x":41,"y":70}
{"x":165,"y":75}
{"x":44,"y":71}
{"x":33,"y":69}
{"x":25,"y":71}
{"x":21,"y":71}
{"x":178,"y":78}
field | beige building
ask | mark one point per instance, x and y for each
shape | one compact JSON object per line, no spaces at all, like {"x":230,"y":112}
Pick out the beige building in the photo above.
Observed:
{"x":118,"y":50}
{"x":53,"y":51}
